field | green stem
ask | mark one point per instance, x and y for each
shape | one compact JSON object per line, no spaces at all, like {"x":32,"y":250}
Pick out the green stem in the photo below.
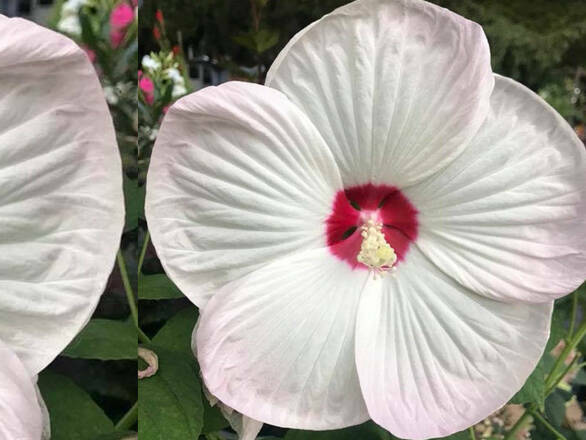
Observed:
{"x":129,"y":419}
{"x":574,"y":312}
{"x":548,"y":391}
{"x":130,"y":296}
{"x":554,"y":376}
{"x":548,"y":425}
{"x":523,"y":421}
{"x":145,"y":245}
{"x":472,"y":435}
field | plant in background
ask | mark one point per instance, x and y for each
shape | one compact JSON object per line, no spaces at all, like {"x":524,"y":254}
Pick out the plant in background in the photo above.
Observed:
{"x":260,"y":38}
{"x":107,"y":31}
{"x":162,"y":79}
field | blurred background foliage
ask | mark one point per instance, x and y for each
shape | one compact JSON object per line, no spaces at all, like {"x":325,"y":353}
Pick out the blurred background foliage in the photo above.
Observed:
{"x":541,"y":43}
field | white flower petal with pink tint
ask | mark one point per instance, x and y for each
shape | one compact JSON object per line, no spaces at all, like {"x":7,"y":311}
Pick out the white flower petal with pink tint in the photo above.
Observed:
{"x":507,"y":219}
{"x":61,"y":201}
{"x":434,"y":357}
{"x":245,"y":427}
{"x":278,"y":345}
{"x":474,"y":203}
{"x":396,"y":88}
{"x":21,"y":417}
{"x":239,"y":176}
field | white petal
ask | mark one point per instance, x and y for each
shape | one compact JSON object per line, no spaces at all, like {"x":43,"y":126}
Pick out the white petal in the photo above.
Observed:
{"x":45,"y":416}
{"x":434,"y":358}
{"x":238,"y":177}
{"x":61,"y":201}
{"x":278,"y":345}
{"x":245,"y":427}
{"x":507,"y":219}
{"x":395,"y":87}
{"x":20,"y":414}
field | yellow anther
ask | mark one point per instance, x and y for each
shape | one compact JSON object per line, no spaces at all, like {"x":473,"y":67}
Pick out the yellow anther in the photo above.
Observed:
{"x":375,"y":252}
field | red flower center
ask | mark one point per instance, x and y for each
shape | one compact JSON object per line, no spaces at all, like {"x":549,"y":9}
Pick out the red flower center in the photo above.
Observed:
{"x":354,"y":206}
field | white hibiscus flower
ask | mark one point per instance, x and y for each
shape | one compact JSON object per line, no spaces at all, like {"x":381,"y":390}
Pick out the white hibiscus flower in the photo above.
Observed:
{"x":61,"y":207}
{"x":383,"y":141}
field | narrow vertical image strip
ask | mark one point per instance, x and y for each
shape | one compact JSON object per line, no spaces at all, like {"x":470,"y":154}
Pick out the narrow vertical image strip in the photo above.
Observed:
{"x":68,"y":130}
{"x":363,"y":219}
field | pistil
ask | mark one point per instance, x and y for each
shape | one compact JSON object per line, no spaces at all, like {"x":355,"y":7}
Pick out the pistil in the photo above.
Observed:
{"x":375,"y":252}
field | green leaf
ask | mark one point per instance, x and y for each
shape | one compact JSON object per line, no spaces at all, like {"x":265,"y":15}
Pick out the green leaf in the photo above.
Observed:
{"x":558,"y":330}
{"x":462,"y":435}
{"x":175,"y":335}
{"x":134,"y":199}
{"x":126,"y":435}
{"x":555,"y":407}
{"x":170,"y":402}
{"x":213,"y":420}
{"x":366,"y":431}
{"x":265,"y":39}
{"x":580,"y":378}
{"x":258,"y":42}
{"x":104,"y":339}
{"x":74,"y":415}
{"x":157,"y":286}
{"x":534,"y":389}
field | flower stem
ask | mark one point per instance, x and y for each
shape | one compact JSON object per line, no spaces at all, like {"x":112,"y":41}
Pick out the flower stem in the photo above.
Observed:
{"x":548,"y":391}
{"x":554,"y":376}
{"x":145,"y":245}
{"x":129,"y":419}
{"x":472,"y":435}
{"x":548,"y":425}
{"x":130,"y":296}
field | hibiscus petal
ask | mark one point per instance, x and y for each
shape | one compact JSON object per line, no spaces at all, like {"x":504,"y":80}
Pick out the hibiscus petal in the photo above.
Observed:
{"x":20,"y":413}
{"x":61,"y":201}
{"x":238,"y":177}
{"x":507,"y":218}
{"x":434,"y":358}
{"x":396,"y":88}
{"x":278,"y":345}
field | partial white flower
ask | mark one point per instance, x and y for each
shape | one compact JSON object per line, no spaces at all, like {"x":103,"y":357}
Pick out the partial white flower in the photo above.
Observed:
{"x":149,"y":63}
{"x":153,"y":134}
{"x":70,"y":24}
{"x":61,"y":201}
{"x":245,"y":427}
{"x":69,"y":18}
{"x":178,"y":90}
{"x":384,"y":134}
{"x":21,"y":416}
{"x":173,"y":74}
{"x":110,"y":95}
{"x":72,"y":6}
{"x":46,"y":435}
